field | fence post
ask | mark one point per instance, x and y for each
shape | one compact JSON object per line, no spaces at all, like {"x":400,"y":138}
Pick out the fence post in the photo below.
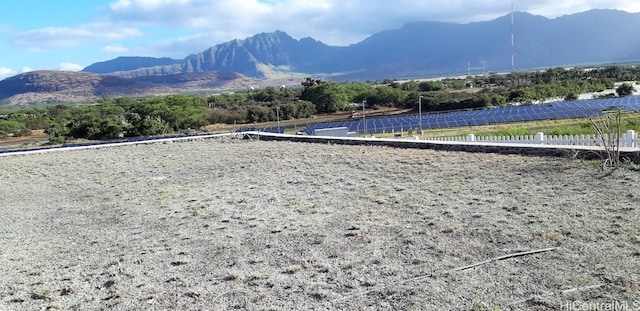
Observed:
{"x":631,"y":139}
{"x":539,"y":139}
{"x":471,"y":137}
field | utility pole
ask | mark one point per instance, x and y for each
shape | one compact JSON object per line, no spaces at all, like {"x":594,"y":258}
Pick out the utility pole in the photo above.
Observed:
{"x":364,"y":122}
{"x":513,"y":51}
{"x":420,"y":113}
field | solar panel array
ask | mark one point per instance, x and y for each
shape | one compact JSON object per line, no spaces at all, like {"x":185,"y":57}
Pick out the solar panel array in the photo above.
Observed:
{"x":548,"y":111}
{"x":277,"y":129}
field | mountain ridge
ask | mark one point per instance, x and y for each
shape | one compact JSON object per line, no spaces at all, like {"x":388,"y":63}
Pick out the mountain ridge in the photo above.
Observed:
{"x":434,"y":46}
{"x":417,"y":49}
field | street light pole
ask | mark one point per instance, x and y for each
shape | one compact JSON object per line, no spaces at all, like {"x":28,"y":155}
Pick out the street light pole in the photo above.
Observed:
{"x":420,"y":113}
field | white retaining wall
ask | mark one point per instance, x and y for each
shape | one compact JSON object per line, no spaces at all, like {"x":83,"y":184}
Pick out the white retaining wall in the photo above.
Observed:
{"x":628,"y":139}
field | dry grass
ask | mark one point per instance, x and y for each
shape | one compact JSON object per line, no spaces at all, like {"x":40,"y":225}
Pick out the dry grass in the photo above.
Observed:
{"x":224,"y":224}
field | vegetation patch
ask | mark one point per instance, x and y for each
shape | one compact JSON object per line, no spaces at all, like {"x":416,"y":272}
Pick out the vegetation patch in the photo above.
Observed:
{"x":295,"y":106}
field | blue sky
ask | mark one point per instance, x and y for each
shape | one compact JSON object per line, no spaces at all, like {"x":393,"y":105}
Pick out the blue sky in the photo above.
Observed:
{"x":72,"y":34}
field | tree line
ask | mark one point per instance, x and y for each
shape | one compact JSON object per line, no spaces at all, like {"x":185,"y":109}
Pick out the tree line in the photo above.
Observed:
{"x":132,"y":117}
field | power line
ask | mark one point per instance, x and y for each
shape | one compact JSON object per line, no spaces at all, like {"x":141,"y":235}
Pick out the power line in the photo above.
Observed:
{"x":513,"y":53}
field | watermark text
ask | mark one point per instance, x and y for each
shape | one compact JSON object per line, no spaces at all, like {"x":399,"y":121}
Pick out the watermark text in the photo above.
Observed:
{"x":601,"y":306}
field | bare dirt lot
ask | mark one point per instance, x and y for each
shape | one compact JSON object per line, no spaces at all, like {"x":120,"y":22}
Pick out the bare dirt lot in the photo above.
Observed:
{"x":231,"y":224}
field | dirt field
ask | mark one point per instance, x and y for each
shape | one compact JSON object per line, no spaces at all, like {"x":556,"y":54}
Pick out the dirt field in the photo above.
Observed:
{"x":230,"y":224}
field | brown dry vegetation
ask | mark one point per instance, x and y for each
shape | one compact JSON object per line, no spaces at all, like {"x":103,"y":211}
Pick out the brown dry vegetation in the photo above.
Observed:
{"x":229,"y":224}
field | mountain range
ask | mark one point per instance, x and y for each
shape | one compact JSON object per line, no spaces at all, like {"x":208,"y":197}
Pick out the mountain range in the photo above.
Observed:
{"x":418,"y":49}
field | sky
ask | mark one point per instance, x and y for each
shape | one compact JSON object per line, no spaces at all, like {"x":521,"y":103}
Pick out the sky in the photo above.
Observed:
{"x":73,"y":34}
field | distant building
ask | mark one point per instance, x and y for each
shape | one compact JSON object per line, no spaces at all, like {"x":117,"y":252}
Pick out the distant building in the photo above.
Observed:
{"x":359,"y":105}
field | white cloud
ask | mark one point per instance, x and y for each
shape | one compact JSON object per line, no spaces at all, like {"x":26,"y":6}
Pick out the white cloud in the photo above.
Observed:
{"x":6,"y":72}
{"x":6,"y":28}
{"x":632,"y":7}
{"x":182,"y":46}
{"x":336,"y":22}
{"x":56,"y":37}
{"x":227,"y":20}
{"x":26,"y":69}
{"x":115,"y":48}
{"x":552,"y":8}
{"x":70,"y":67}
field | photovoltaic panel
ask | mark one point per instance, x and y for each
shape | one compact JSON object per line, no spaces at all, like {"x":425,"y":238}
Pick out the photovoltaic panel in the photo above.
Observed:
{"x":545,"y":111}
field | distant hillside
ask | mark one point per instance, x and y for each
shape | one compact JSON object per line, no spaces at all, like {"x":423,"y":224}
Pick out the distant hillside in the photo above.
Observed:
{"x":432,"y":48}
{"x":214,"y":80}
{"x":276,"y":49}
{"x":67,"y":86}
{"x":130,"y":63}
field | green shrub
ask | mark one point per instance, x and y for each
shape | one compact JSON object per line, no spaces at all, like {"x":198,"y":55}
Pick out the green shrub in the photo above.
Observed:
{"x":508,"y":132}
{"x":582,"y":128}
{"x":13,"y":127}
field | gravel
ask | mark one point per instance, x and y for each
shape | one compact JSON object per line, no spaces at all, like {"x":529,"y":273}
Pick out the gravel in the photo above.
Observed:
{"x":242,"y":224}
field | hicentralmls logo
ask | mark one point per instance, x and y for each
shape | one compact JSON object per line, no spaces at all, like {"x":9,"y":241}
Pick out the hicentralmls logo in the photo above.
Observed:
{"x":605,"y":306}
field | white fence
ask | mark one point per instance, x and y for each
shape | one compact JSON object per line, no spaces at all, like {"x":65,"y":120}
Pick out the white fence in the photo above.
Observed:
{"x":628,"y":139}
